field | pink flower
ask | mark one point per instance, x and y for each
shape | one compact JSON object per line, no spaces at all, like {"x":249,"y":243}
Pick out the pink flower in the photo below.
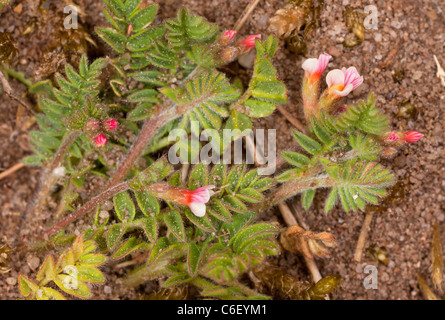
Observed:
{"x":111,"y":124}
{"x":411,"y":136}
{"x":197,"y":199}
{"x":92,"y":124}
{"x":314,"y":67}
{"x":100,"y":140}
{"x":227,"y":37}
{"x":342,"y":82}
{"x":249,"y":42}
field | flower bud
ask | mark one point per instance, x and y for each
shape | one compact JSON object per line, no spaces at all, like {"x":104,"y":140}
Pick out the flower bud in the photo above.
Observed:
{"x":227,"y":38}
{"x":229,"y":54}
{"x":248,"y":43}
{"x":411,"y":136}
{"x":390,"y":137}
{"x":110,"y":124}
{"x":100,"y":140}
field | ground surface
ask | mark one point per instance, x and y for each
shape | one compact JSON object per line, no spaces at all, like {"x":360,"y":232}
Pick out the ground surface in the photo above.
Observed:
{"x":403,"y":226}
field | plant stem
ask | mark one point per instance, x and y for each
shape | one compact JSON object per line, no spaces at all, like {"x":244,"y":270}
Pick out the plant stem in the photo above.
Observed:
{"x":8,"y":90}
{"x":149,"y":129}
{"x":20,"y":76}
{"x":86,"y":208}
{"x":291,"y":188}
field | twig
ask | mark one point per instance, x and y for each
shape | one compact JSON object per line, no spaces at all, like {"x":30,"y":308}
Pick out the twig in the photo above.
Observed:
{"x":294,"y":121}
{"x":246,"y":14}
{"x":11,"y":170}
{"x":440,"y":72}
{"x":8,"y":91}
{"x":362,"y":238}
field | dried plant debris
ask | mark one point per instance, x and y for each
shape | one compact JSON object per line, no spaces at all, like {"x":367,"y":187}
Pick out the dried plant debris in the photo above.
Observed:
{"x":65,"y":45}
{"x":296,"y":239}
{"x":437,"y":260}
{"x":5,"y":250}
{"x":295,"y":22}
{"x":279,"y":284}
{"x":378,"y":253}
{"x":436,"y":269}
{"x":354,"y":20}
{"x":407,"y":110}
{"x":8,"y":50}
{"x":172,"y":293}
{"x":395,"y":196}
{"x":440,"y":72}
{"x":398,"y":75}
{"x":427,"y":292}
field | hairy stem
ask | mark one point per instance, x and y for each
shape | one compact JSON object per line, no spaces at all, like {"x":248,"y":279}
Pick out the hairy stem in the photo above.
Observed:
{"x":149,"y":129}
{"x":291,"y":188}
{"x":90,"y":205}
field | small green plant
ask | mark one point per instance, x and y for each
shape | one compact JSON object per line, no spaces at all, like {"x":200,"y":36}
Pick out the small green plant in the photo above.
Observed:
{"x":199,"y":228}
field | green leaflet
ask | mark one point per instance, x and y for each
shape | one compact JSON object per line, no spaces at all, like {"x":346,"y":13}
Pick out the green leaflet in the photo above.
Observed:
{"x":186,"y":29}
{"x":357,"y":183}
{"x":124,"y":206}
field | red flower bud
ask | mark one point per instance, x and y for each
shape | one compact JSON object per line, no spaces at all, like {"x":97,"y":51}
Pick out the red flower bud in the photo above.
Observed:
{"x":100,"y":140}
{"x":390,"y":137}
{"x":227,"y":37}
{"x":411,"y":136}
{"x":248,"y":43}
{"x":111,"y":124}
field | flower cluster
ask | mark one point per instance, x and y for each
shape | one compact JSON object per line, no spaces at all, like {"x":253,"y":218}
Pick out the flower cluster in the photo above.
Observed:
{"x":95,"y":127}
{"x":340,"y":83}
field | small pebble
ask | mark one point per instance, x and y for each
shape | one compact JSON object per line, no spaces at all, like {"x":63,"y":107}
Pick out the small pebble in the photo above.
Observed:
{"x":34,"y":263}
{"x":11,"y":281}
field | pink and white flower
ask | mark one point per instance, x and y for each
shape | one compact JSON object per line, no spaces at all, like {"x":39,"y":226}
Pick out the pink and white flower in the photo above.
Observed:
{"x":342,"y":82}
{"x":314,"y":67}
{"x":248,"y":43}
{"x":196,"y":200}
{"x":100,"y":140}
{"x":411,"y":136}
